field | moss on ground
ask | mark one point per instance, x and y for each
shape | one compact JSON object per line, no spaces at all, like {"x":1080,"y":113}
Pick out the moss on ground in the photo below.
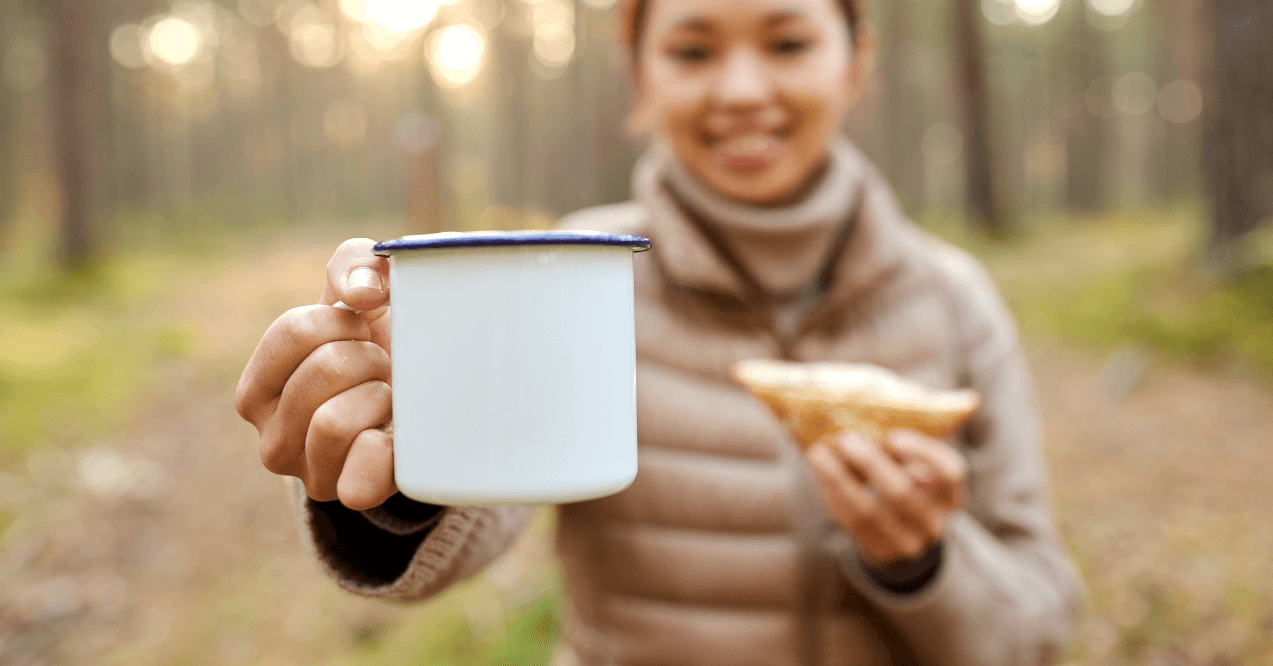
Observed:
{"x":77,"y":350}
{"x":1132,"y":278}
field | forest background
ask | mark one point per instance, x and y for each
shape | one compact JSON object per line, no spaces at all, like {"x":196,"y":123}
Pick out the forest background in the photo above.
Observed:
{"x":173,"y":176}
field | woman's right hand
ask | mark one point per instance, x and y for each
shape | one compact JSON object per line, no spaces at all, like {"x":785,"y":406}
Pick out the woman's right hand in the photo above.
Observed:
{"x":318,"y":386}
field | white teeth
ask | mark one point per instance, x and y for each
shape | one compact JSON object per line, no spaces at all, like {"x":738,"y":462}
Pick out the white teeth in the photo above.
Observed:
{"x":747,"y":143}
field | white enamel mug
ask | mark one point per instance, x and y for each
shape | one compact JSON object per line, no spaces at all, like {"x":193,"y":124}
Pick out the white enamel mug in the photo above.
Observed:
{"x":514,"y":366}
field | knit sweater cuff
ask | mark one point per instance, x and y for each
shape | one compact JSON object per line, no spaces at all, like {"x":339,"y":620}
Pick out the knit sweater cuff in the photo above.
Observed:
{"x":907,"y":577}
{"x":403,"y":516}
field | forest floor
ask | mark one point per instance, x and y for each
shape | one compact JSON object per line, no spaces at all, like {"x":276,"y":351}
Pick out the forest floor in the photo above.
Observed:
{"x":152,"y":535}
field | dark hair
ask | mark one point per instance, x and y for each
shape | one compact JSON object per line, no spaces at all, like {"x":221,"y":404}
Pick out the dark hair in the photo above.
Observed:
{"x":632,"y":24}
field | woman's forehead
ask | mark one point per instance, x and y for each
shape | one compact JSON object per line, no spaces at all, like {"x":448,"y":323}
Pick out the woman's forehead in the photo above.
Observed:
{"x":703,"y":14}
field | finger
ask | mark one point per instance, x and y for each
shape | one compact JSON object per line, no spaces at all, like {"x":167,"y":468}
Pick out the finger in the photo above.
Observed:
{"x":921,"y":473}
{"x":356,"y":276}
{"x":286,"y":343}
{"x":332,"y":431}
{"x":897,"y":492}
{"x":881,"y":535}
{"x":327,"y":372}
{"x":848,"y":499}
{"x":949,"y":469}
{"x":367,"y":478}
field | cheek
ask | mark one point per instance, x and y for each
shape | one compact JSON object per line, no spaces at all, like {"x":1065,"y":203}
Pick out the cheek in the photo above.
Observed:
{"x":819,"y":99}
{"x":676,"y":103}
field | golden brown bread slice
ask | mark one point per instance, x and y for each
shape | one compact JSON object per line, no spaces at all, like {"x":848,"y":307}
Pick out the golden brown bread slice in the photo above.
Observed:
{"x":818,"y":399}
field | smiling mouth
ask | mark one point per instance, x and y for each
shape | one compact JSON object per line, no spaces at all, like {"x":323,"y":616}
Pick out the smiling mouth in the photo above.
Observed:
{"x":747,"y":151}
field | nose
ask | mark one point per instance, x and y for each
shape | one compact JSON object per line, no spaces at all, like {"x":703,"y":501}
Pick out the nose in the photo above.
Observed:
{"x":744,"y":81}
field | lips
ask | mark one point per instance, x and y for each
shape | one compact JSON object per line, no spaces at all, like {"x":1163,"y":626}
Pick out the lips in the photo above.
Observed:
{"x":747,"y":151}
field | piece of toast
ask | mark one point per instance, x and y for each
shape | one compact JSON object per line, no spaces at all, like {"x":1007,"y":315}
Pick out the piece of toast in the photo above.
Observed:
{"x":818,"y":399}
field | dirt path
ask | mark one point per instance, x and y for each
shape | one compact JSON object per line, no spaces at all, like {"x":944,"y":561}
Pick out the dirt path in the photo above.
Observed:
{"x":168,"y":543}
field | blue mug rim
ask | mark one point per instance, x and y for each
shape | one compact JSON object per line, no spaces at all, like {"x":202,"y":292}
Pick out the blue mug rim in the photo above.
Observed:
{"x":503,"y":238}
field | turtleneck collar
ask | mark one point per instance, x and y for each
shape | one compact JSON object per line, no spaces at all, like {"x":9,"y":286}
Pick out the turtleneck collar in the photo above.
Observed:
{"x":708,"y":241}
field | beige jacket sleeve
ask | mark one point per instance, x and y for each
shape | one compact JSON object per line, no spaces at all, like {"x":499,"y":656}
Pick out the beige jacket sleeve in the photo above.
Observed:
{"x":1004,"y":593}
{"x":373,"y":555}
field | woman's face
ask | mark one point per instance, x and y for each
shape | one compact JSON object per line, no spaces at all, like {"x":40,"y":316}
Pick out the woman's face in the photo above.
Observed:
{"x":748,"y":92}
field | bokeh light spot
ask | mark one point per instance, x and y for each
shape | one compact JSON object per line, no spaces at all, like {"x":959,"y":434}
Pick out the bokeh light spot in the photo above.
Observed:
{"x":999,"y":12}
{"x":174,"y":41}
{"x":455,"y":54}
{"x":125,"y":46}
{"x":400,"y":15}
{"x":1037,"y":12}
{"x":416,"y":133}
{"x":314,"y":45}
{"x":1134,"y":93}
{"x":1112,"y":7}
{"x":1180,"y":101}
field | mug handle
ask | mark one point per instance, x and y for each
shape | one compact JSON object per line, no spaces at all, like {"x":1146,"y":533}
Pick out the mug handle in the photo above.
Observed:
{"x":346,"y":308}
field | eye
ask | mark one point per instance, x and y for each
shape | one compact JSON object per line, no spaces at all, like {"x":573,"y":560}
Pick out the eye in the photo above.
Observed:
{"x":691,"y":54}
{"x":789,"y":46}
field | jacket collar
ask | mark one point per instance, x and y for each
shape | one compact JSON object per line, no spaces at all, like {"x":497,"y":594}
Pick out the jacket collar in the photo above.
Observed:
{"x":690,"y":252}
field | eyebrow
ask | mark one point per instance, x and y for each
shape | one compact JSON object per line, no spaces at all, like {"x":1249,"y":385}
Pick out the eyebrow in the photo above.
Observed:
{"x":782,"y":16}
{"x":693,"y":23}
{"x":699,"y":24}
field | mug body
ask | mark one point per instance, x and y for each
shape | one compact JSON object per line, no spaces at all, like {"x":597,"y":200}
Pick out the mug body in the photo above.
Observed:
{"x":513,"y":372}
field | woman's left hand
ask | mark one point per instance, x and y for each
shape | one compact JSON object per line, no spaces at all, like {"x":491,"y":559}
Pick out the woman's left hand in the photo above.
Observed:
{"x":892,"y":497}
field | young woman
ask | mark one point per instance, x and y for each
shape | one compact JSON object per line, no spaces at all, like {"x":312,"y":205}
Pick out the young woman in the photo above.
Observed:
{"x":773,"y":237}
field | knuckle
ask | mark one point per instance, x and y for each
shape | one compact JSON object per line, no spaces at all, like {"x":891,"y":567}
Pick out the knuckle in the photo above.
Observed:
{"x":958,"y":469}
{"x":381,"y":390}
{"x":351,"y":246}
{"x":899,"y":492}
{"x":297,"y":328}
{"x":933,"y":529}
{"x":274,"y":458}
{"x":870,"y":511}
{"x":909,"y":545}
{"x":858,"y":522}
{"x":346,"y":252}
{"x":242,"y":402}
{"x":320,"y":491}
{"x":328,"y":423}
{"x":332,"y":361}
{"x":380,"y":362}
{"x":380,"y":440}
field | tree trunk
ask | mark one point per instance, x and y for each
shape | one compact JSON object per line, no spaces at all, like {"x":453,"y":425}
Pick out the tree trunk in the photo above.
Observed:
{"x":75,"y":68}
{"x":8,"y":151}
{"x":1238,"y":153}
{"x":982,"y":200}
{"x":1087,"y":135}
{"x":903,"y":117}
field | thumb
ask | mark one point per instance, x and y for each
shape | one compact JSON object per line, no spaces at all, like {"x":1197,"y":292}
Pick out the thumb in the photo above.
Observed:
{"x":356,"y":276}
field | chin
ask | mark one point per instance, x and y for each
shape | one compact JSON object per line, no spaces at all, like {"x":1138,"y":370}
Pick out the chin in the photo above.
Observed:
{"x":768,"y":186}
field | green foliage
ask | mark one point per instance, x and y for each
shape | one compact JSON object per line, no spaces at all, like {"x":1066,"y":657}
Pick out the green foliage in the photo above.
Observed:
{"x":531,"y":635}
{"x":75,"y":350}
{"x":1169,"y":308}
{"x":441,"y":634}
{"x":1134,"y":278}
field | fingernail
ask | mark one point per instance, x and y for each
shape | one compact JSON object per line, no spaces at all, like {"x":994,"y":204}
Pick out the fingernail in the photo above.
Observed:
{"x":364,"y":278}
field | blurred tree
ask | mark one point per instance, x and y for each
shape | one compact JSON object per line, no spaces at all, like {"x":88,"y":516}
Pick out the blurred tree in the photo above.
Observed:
{"x":903,"y":117}
{"x":1238,"y":154}
{"x":8,"y":138}
{"x":75,"y":100}
{"x":982,"y":198}
{"x":1087,"y":135}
